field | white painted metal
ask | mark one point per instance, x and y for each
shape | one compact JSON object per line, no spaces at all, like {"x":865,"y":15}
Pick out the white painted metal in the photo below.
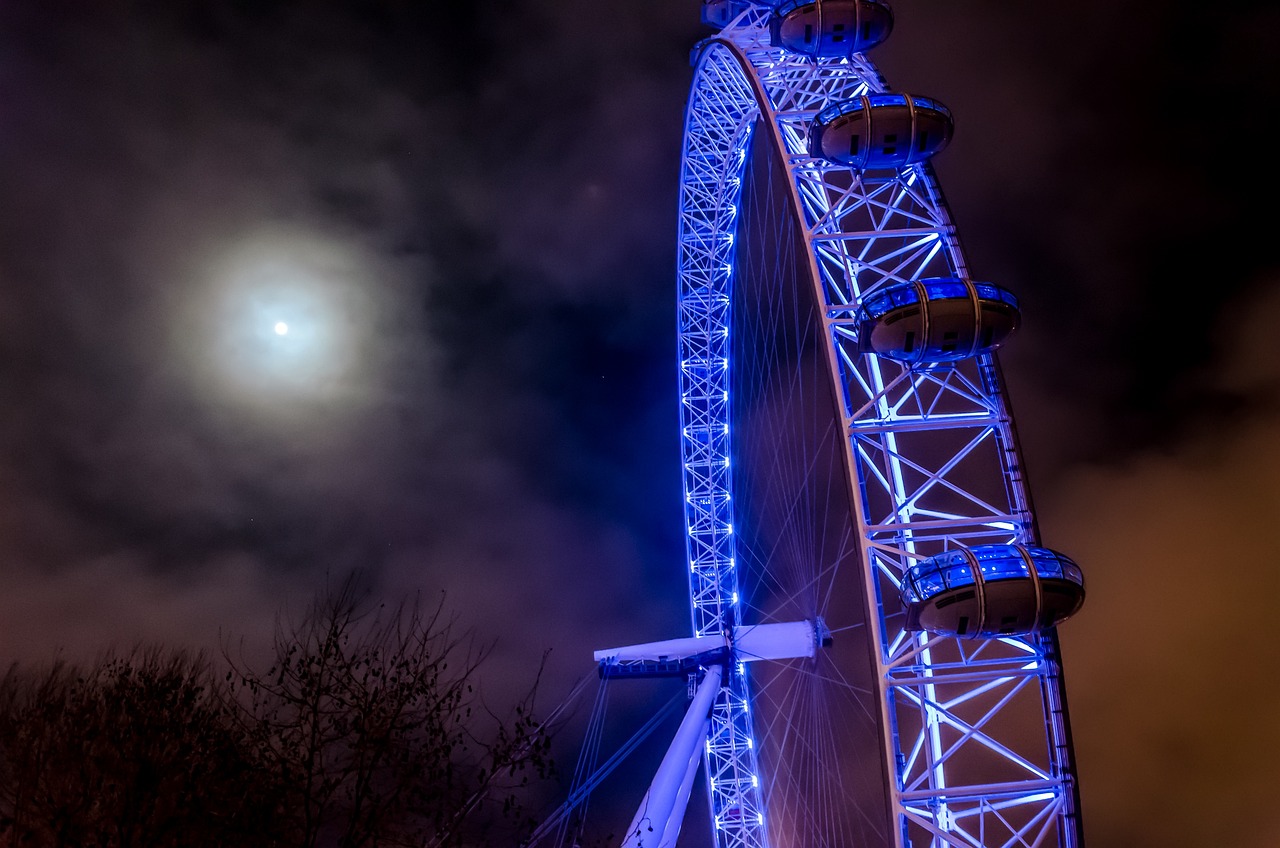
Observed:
{"x":657,"y":821}
{"x":783,"y":640}
{"x":974,"y":740}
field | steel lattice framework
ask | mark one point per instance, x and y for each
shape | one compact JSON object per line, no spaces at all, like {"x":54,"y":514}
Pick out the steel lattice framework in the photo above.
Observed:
{"x":931,"y":464}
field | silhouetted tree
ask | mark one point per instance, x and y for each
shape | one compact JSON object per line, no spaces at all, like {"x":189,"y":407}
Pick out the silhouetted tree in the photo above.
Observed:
{"x":140,"y":750}
{"x":365,"y":730}
{"x":370,"y":721}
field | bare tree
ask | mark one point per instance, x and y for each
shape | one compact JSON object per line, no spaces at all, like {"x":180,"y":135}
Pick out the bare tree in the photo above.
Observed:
{"x":366,"y":730}
{"x":139,"y":751}
{"x":370,"y":721}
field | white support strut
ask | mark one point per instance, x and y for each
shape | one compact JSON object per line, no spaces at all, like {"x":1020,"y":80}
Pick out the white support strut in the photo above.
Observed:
{"x":657,"y":822}
{"x":777,"y":641}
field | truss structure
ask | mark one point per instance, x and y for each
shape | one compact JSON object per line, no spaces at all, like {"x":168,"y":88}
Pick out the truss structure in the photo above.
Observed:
{"x":975,"y":747}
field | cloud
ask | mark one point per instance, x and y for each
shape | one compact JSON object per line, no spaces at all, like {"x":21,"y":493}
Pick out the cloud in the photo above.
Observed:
{"x":67,"y":613}
{"x":150,"y":161}
{"x":1167,"y":665}
{"x":498,"y":190}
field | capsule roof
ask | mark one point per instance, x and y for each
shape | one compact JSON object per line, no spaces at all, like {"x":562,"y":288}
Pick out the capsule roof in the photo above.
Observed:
{"x":883,"y":299}
{"x":878,"y":100}
{"x":718,"y":13}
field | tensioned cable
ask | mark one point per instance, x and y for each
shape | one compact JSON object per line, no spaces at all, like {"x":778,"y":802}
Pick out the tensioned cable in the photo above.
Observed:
{"x":794,"y":531}
{"x":588,"y":786}
{"x":589,"y":752}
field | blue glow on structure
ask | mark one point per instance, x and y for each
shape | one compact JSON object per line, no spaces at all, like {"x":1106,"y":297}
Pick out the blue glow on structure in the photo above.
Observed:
{"x":733,"y":72}
{"x":953,"y":570}
{"x":711,"y":182}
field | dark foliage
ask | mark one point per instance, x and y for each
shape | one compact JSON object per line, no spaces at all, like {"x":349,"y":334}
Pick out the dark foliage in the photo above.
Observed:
{"x":370,"y":723}
{"x":366,"y":730}
{"x":140,"y":750}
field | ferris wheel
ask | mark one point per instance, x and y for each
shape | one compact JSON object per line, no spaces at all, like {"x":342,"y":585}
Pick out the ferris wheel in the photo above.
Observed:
{"x":873,"y":659}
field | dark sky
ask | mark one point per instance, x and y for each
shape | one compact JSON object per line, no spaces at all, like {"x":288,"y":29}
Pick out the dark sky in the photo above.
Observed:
{"x":467,"y":218}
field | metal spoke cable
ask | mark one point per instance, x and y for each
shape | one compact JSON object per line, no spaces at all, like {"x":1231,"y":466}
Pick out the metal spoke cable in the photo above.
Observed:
{"x":579,"y":795}
{"x":588,"y":754}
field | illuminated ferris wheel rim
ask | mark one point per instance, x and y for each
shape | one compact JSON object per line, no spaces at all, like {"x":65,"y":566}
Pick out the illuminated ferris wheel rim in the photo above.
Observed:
{"x":740,"y":78}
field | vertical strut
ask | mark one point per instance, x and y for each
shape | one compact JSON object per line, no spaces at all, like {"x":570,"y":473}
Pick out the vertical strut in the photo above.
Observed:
{"x":657,"y":822}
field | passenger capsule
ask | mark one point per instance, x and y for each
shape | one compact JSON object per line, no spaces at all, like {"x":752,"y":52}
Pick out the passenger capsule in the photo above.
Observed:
{"x":940,"y":319}
{"x":880,"y":131}
{"x":718,"y":13}
{"x":830,"y":27}
{"x":992,"y":590}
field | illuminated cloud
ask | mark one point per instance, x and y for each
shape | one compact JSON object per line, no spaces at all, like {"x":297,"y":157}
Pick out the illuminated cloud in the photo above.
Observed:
{"x":1171,"y":710}
{"x":282,"y":315}
{"x":469,"y":230}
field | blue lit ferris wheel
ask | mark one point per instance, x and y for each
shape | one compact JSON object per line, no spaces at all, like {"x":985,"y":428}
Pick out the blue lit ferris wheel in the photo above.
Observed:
{"x":873,"y":660}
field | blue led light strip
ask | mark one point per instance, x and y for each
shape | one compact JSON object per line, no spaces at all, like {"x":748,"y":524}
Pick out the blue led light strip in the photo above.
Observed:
{"x":932,"y":465}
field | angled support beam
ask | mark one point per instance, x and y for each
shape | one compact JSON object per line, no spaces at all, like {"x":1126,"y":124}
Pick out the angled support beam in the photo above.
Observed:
{"x":657,"y":822}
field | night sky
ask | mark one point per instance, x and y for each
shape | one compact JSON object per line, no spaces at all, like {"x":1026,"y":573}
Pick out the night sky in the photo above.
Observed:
{"x":467,"y":220}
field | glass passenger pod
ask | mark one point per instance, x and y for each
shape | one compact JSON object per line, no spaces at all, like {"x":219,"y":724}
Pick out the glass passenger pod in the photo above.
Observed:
{"x":881,"y":131}
{"x":718,"y":13}
{"x":829,"y":27}
{"x":992,"y":590}
{"x":942,"y":319}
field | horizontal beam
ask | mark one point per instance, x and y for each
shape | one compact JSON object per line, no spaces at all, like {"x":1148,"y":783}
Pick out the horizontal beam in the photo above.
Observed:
{"x":747,"y":643}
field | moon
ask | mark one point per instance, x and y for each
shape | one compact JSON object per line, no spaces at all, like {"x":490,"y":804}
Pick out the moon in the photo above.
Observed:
{"x":285,"y":320}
